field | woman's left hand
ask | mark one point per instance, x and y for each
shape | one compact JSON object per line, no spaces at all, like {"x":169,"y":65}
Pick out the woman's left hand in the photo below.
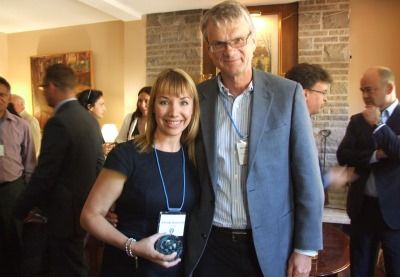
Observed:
{"x":144,"y":248}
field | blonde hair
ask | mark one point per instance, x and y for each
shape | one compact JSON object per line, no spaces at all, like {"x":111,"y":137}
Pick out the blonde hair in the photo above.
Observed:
{"x":175,"y":82}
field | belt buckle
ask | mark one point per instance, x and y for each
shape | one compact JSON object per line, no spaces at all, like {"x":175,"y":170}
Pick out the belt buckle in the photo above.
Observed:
{"x":237,"y":233}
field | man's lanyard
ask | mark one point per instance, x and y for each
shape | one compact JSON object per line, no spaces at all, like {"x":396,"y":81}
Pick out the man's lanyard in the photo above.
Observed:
{"x":163,"y":183}
{"x":242,"y":137}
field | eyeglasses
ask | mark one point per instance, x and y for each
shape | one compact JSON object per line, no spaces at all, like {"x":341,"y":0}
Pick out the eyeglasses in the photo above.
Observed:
{"x":218,"y":46}
{"x":323,"y":92}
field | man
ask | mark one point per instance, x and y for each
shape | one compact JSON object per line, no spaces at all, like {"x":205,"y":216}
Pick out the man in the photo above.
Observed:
{"x":19,"y":106}
{"x":315,"y":82}
{"x":371,"y":144}
{"x":261,"y":203}
{"x":17,"y":162}
{"x":71,"y":147}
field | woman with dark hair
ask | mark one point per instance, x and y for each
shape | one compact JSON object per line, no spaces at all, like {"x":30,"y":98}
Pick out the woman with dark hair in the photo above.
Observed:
{"x":93,"y":101}
{"x":135,"y":123}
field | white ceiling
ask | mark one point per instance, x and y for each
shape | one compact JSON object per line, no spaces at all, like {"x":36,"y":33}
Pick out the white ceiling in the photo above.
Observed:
{"x":29,"y":15}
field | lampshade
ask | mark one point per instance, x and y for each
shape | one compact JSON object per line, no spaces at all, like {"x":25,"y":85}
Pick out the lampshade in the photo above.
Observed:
{"x":109,"y":132}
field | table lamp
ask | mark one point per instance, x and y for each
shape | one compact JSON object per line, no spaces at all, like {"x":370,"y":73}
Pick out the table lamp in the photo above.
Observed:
{"x":109,"y":132}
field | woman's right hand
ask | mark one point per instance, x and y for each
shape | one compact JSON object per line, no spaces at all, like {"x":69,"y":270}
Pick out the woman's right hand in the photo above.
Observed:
{"x":144,"y":248}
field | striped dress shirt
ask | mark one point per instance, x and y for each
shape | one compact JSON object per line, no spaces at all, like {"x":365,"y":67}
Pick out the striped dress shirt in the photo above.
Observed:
{"x":231,"y":210}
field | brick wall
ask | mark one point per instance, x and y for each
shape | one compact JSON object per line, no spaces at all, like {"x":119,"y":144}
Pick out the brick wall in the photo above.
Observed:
{"x":324,"y":39}
{"x":174,"y":40}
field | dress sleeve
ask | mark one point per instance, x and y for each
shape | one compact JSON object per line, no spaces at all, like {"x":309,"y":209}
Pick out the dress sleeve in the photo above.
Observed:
{"x":122,"y":158}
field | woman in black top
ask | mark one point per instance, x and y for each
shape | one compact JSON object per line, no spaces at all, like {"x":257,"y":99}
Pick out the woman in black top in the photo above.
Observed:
{"x":153,"y":173}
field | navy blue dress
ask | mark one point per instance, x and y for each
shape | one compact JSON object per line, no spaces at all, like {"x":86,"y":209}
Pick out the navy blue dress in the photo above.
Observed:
{"x":141,"y":201}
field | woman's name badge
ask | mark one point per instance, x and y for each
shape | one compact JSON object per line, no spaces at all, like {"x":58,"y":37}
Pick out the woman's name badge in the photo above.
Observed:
{"x":243,"y":151}
{"x":172,"y":223}
{"x":1,"y":150}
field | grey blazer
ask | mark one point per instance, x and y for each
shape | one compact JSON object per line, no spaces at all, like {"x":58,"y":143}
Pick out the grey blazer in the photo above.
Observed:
{"x":284,"y":188}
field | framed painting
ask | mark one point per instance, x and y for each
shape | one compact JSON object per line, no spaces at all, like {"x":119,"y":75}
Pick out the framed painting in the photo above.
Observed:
{"x":266,"y":55}
{"x":80,"y":62}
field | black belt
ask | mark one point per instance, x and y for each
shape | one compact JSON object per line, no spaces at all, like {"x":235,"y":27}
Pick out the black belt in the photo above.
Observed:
{"x":234,"y":234}
{"x":3,"y":184}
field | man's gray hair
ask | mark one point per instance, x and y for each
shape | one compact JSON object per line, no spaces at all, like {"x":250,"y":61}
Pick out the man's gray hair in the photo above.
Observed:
{"x":226,"y":12}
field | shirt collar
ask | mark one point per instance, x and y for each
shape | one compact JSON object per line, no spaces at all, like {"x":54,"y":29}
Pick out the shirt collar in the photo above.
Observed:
{"x":391,"y":107}
{"x":224,"y":90}
{"x":9,"y":116}
{"x":57,"y":107}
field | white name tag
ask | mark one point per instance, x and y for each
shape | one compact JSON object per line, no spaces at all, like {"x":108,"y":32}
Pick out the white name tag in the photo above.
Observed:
{"x":1,"y":150}
{"x":172,"y":223}
{"x":243,"y":151}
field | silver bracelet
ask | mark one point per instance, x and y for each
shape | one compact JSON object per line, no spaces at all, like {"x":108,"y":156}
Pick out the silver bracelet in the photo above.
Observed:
{"x":128,"y":248}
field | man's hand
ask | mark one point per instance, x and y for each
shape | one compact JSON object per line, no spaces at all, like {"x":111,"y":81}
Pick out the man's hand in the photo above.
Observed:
{"x":35,"y":216}
{"x":299,"y":265}
{"x":111,"y":216}
{"x":380,"y":154}
{"x":341,"y":176}
{"x":371,"y":114}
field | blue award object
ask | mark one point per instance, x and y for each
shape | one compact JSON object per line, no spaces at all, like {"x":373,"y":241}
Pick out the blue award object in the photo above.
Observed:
{"x":169,"y":244}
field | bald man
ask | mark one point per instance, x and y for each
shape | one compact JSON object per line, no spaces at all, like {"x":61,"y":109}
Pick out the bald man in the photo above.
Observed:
{"x":19,"y":106}
{"x":372,"y":145}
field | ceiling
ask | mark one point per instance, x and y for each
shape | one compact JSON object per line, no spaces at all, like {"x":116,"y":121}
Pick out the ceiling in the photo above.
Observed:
{"x":29,"y":15}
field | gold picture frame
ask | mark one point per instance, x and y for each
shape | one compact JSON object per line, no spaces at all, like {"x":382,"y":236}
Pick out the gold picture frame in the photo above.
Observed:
{"x":80,"y":62}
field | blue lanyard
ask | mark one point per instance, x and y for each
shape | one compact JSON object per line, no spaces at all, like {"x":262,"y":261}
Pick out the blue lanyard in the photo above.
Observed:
{"x":231,"y":119}
{"x":163,"y":183}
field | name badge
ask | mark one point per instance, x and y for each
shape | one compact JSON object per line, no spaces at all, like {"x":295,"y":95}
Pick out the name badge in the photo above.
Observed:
{"x":172,"y":223}
{"x":1,"y":150}
{"x":242,"y":151}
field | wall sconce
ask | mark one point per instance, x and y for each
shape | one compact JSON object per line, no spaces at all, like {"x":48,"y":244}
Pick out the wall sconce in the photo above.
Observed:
{"x":109,"y":132}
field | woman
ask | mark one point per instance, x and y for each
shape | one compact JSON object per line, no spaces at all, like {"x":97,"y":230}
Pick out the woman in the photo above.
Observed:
{"x":135,"y":123}
{"x":153,"y":173}
{"x":93,"y":101}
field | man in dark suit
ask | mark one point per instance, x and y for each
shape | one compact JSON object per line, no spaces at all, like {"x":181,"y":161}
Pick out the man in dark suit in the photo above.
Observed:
{"x":261,"y":204}
{"x":371,"y":144}
{"x":70,"y":153}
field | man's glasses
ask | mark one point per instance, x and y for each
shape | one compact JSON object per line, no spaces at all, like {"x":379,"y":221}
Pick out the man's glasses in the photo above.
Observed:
{"x":218,"y":46}
{"x":323,"y":92}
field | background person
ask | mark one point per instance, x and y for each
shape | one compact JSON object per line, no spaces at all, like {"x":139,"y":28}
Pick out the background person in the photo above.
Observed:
{"x":151,"y":174}
{"x":19,"y":106}
{"x":135,"y":123}
{"x":71,"y":147}
{"x":372,"y":145}
{"x":262,"y":198}
{"x":316,"y":82}
{"x":93,"y":101}
{"x":17,"y":162}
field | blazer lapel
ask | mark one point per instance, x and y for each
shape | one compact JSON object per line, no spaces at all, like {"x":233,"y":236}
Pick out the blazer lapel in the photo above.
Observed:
{"x":208,"y":102}
{"x":394,"y":119}
{"x":261,"y":106}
